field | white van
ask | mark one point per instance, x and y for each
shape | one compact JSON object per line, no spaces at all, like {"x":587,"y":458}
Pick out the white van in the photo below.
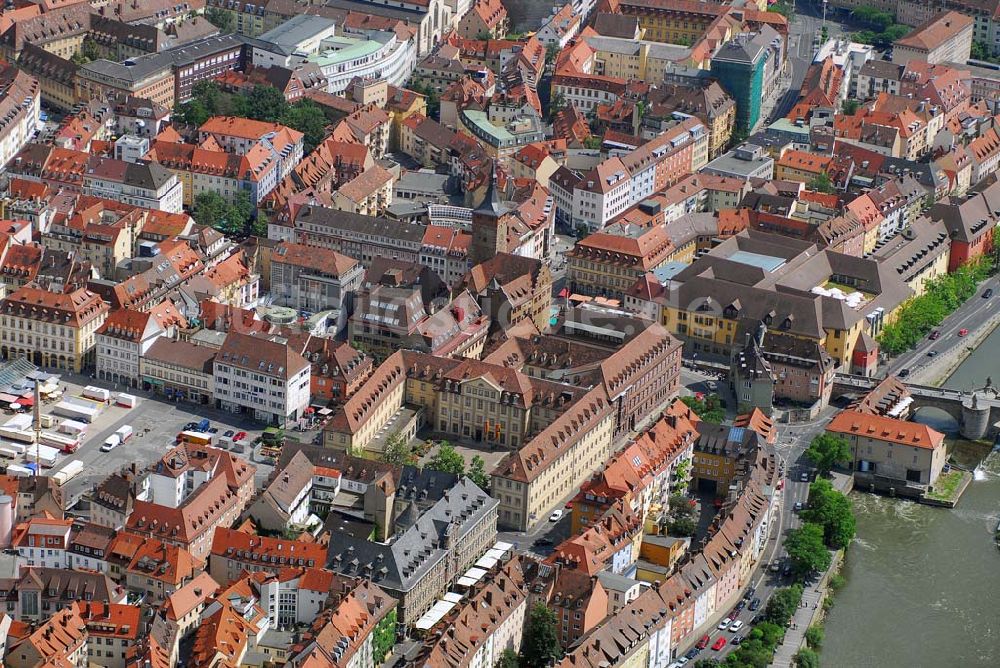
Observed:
{"x":111,"y":442}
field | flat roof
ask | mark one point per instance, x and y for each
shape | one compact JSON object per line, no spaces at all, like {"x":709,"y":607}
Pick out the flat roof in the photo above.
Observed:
{"x":768,"y":263}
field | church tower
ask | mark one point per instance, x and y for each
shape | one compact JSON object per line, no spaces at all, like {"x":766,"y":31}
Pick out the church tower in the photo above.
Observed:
{"x":490,"y":225}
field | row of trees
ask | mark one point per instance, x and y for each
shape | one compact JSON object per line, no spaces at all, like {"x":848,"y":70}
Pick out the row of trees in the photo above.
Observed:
{"x":829,"y":524}
{"x":881,"y":29}
{"x":921,"y":314}
{"x":261,"y":103}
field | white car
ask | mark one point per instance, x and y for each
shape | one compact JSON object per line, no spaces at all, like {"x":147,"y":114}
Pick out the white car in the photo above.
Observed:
{"x":804,"y":477}
{"x":724,"y":624}
{"x":736,"y":626}
{"x":556,"y":515}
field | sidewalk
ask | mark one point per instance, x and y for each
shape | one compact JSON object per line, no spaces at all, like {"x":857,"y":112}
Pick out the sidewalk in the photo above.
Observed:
{"x":795,"y":637}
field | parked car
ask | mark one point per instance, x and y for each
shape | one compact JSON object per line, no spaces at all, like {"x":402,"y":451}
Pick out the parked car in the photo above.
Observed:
{"x":703,"y":643}
{"x":240,"y":436}
{"x":774,"y":567}
{"x":754,"y":604}
{"x":736,"y":626}
{"x":740,"y":604}
{"x":736,"y":640}
{"x":932,"y":353}
{"x":750,"y":593}
{"x":798,"y":506}
{"x":935,"y":335}
{"x":988,"y":293}
{"x":724,"y":624}
{"x":682,"y":660}
{"x":544,"y":542}
{"x":693,"y":652}
{"x":804,"y":477}
{"x":213,"y":430}
{"x":229,"y":433}
{"x":719,"y":644}
{"x":556,"y":515}
{"x":903,"y":373}
{"x":963,"y":332}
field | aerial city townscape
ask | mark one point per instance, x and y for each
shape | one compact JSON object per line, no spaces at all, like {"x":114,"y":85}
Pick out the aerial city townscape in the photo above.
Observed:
{"x":499,"y":333}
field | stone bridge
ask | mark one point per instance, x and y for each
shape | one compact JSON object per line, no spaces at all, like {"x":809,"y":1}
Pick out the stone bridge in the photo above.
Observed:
{"x":976,"y":412}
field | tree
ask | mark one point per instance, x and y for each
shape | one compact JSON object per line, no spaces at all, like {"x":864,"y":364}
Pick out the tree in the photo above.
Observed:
{"x":593,"y":143}
{"x":709,"y":409}
{"x":770,"y":633}
{"x":477,"y":473}
{"x":540,"y":646}
{"x":221,"y":19}
{"x":308,"y":118}
{"x":397,"y":449}
{"x":821,"y":184}
{"x":806,"y":658}
{"x":831,"y":510}
{"x":447,"y":459}
{"x":873,"y":18}
{"x":807,"y":550}
{"x":783,"y":604}
{"x":682,"y":527}
{"x":239,"y":213}
{"x":827,"y":450}
{"x":557,"y":102}
{"x":508,"y":659}
{"x":707,"y":663}
{"x":210,"y":209}
{"x":266,"y":103}
{"x":814,"y":637}
{"x":849,"y":107}
{"x":551,"y":53}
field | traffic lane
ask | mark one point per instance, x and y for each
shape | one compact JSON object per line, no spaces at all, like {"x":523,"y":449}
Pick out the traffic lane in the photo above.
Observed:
{"x":969,"y":315}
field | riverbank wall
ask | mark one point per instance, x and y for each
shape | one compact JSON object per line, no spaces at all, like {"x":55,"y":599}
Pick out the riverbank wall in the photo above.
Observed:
{"x":939,"y":369}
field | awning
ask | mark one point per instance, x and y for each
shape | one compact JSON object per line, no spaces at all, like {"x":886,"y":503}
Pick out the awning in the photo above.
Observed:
{"x":7,"y":398}
{"x":26,"y":400}
{"x":48,"y":388}
{"x":309,"y":410}
{"x":563,"y":293}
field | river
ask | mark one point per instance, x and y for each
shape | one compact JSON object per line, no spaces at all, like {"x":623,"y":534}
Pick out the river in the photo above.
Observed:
{"x":923,"y":583}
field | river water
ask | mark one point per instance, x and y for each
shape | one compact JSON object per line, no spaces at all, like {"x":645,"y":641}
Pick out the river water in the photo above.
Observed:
{"x":923,"y":583}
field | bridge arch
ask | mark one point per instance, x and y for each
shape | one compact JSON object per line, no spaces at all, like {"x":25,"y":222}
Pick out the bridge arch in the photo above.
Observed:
{"x":938,"y":418}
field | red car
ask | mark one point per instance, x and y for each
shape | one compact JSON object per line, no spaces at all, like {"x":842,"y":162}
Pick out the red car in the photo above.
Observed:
{"x":240,"y":436}
{"x":963,"y":332}
{"x":703,"y":643}
{"x":719,"y":644}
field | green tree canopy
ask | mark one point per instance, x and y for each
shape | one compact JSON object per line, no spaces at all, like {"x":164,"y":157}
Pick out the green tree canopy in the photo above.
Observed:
{"x":807,"y":550}
{"x":447,"y":459}
{"x":831,"y":510}
{"x":850,"y":106}
{"x":477,"y":473}
{"x":814,"y":637}
{"x":308,"y":118}
{"x":221,"y":19}
{"x":397,"y":449}
{"x":708,"y":409}
{"x":822,"y":184}
{"x":540,"y":646}
{"x":806,"y":658}
{"x":783,"y":604}
{"x":508,"y":659}
{"x":827,"y":450}
{"x":265,"y":103}
{"x":210,"y":209}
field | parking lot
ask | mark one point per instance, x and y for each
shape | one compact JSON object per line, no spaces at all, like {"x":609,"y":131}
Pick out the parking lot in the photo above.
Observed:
{"x":163,"y":419}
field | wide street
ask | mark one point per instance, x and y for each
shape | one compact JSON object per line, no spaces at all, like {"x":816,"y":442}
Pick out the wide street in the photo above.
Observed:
{"x":970,"y":315}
